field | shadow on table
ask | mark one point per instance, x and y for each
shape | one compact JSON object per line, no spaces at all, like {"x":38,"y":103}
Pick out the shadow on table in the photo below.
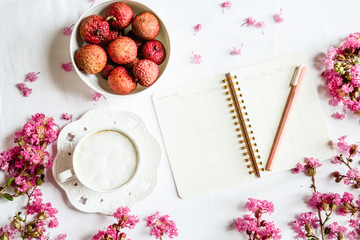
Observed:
{"x":67,"y":82}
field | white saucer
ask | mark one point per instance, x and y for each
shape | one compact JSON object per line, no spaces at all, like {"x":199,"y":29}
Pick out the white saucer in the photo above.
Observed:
{"x":136,"y":189}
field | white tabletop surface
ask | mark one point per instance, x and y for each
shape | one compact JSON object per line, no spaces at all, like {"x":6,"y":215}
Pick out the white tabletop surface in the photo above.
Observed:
{"x":31,"y":40}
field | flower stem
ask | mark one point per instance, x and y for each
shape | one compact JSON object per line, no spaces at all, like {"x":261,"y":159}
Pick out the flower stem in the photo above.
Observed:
{"x":319,"y":211}
{"x":20,"y":174}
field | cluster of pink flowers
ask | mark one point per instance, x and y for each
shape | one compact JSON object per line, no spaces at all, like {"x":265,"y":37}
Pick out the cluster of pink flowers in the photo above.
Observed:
{"x":26,"y":162}
{"x":255,"y":226}
{"x":324,"y":205}
{"x":161,"y":226}
{"x":352,"y":177}
{"x":342,"y":72}
{"x":114,"y":231}
{"x":43,"y":217}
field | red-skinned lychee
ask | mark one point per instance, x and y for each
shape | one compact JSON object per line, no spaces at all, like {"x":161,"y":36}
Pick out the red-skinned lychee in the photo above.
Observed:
{"x":120,"y":81}
{"x":94,"y":29}
{"x":110,"y":65}
{"x":119,"y":15}
{"x":146,"y":26}
{"x":91,"y":58}
{"x":146,"y":72}
{"x":122,"y":50}
{"x":154,"y":50}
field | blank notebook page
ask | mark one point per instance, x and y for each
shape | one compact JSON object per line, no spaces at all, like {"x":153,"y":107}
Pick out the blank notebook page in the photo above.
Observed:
{"x":199,"y":134}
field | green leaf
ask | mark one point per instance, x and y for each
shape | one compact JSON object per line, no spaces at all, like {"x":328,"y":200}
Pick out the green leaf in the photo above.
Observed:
{"x":10,"y":181}
{"x":7,"y":196}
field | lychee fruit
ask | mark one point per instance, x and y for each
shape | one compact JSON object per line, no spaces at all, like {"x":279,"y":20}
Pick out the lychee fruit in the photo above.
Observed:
{"x":139,"y":42}
{"x":91,"y":58}
{"x":119,"y":15}
{"x":120,"y":81}
{"x":110,"y":65}
{"x":122,"y":50}
{"x":146,"y":72}
{"x":146,"y":26}
{"x":113,"y":34}
{"x":94,"y":29}
{"x":154,"y":50}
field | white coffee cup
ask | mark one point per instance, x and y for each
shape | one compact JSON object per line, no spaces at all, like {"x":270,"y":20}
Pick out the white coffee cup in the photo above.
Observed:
{"x":103,"y":160}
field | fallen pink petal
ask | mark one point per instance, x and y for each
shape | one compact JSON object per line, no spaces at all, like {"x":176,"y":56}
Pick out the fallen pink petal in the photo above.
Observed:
{"x":25,"y":91}
{"x":96,"y":96}
{"x":338,"y":115}
{"x":68,"y":30}
{"x":260,"y":25}
{"x":334,"y":102}
{"x":236,"y":51}
{"x":226,"y":4}
{"x":197,"y":58}
{"x":31,"y":77}
{"x":278,"y":17}
{"x":250,"y":21}
{"x":67,"y":116}
{"x":197,"y":28}
{"x":68,"y":67}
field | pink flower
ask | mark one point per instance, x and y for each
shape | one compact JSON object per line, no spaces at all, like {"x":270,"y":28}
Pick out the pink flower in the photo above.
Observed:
{"x":278,"y":17}
{"x":335,"y":229}
{"x":264,"y":206}
{"x":60,"y":237}
{"x":236,"y":51}
{"x":68,"y":67}
{"x":318,"y":200}
{"x":347,"y":88}
{"x":197,"y":28}
{"x":197,"y":59}
{"x":96,"y":96}
{"x":8,"y":230}
{"x":338,"y":115}
{"x":25,"y":91}
{"x":126,"y":220}
{"x":299,"y":168}
{"x":161,"y":225}
{"x":260,"y":25}
{"x":334,"y":102}
{"x":31,"y":77}
{"x":352,"y":175}
{"x":250,"y":21}
{"x":67,"y":116}
{"x":226,"y":4}
{"x":307,"y":220}
{"x":68,"y":30}
{"x":344,"y":146}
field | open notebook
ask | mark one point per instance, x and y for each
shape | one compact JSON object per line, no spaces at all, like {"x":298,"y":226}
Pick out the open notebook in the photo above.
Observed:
{"x":205,"y":141}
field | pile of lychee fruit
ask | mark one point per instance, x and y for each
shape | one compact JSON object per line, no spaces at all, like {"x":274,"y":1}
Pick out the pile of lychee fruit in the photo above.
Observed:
{"x":123,"y":58}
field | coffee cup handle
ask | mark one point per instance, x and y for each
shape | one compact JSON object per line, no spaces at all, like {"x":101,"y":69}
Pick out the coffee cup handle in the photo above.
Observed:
{"x":66,"y":175}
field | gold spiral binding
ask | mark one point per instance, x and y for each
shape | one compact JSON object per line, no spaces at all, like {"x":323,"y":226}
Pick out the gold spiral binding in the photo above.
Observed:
{"x":240,"y":121}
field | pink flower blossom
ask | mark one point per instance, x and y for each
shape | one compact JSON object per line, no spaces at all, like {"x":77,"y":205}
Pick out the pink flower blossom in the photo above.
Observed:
{"x":161,"y":225}
{"x":61,"y":237}
{"x":335,"y":229}
{"x":9,"y":231}
{"x":299,"y":168}
{"x":68,"y":30}
{"x":25,"y":91}
{"x":338,"y":115}
{"x":342,"y":144}
{"x":260,"y":24}
{"x":197,"y":28}
{"x":254,"y":205}
{"x":226,"y":4}
{"x":31,"y":77}
{"x":66,"y":116}
{"x":318,"y":200}
{"x":278,"y":17}
{"x":334,"y":102}
{"x":197,"y":59}
{"x":96,"y":96}
{"x":127,"y":220}
{"x":68,"y":67}
{"x":307,"y":220}
{"x":236,"y":51}
{"x":352,"y":176}
{"x":250,"y":21}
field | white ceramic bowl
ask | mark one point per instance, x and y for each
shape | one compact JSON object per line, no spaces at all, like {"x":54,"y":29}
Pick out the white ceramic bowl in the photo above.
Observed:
{"x":96,"y":82}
